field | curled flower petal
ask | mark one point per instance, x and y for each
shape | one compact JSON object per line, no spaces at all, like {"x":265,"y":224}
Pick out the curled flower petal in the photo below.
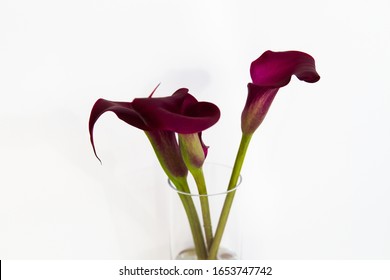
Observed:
{"x":274,"y":69}
{"x":271,"y":71}
{"x":180,"y":113}
{"x":123,"y":110}
{"x":161,"y":118}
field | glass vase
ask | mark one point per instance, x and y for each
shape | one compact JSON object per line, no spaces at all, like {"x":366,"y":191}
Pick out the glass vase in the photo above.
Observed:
{"x":181,"y":240}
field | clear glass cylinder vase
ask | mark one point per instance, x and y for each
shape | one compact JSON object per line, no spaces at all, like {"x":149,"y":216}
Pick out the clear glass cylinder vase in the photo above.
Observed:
{"x":217,"y":178}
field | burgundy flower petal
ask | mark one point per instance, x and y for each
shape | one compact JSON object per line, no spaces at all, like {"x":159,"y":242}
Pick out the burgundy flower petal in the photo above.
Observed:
{"x":123,"y":110}
{"x":180,"y":113}
{"x":271,"y":71}
{"x":274,"y":69}
{"x":258,"y":102}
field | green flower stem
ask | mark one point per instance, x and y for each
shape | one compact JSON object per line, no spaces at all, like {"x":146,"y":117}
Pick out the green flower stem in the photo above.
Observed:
{"x":193,"y":156}
{"x":204,"y":203}
{"x":193,"y":219}
{"x":245,"y":140}
{"x":168,"y":154}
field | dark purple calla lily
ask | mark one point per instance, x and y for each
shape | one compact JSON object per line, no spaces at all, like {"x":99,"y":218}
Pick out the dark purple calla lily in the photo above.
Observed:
{"x":180,"y":113}
{"x":161,"y":118}
{"x":271,"y":71}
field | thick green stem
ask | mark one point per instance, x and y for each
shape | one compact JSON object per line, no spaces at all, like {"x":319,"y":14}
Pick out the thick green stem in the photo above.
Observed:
{"x":204,"y":203}
{"x":193,"y":156}
{"x":193,"y":219}
{"x":168,"y":154}
{"x":213,"y":251}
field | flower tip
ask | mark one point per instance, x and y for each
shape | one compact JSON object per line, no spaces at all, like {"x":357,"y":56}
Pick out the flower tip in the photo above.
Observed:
{"x":101,"y":163}
{"x":94,"y":151}
{"x":150,"y":96}
{"x":309,"y":77}
{"x":315,"y":78}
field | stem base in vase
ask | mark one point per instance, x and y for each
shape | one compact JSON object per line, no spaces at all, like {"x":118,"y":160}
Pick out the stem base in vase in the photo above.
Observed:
{"x":190,"y":254}
{"x":181,"y":240}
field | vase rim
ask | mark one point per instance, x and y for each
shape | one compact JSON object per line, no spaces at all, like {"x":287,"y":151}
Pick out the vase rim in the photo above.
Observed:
{"x":172,"y":186}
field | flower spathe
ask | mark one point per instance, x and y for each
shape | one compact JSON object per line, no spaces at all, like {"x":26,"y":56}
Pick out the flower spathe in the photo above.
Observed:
{"x":271,"y":71}
{"x":161,"y":118}
{"x":180,"y":113}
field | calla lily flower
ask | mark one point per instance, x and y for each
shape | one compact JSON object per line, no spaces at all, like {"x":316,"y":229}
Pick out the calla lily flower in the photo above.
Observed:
{"x":271,"y":71}
{"x":161,"y":118}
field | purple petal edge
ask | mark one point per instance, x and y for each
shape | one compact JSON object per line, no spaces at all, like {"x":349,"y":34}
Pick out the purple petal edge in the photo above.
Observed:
{"x":274,"y":69}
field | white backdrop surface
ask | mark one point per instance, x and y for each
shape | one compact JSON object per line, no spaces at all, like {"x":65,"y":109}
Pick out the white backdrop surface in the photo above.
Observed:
{"x":316,"y":179}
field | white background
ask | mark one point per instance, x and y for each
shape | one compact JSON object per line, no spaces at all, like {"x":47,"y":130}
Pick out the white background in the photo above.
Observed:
{"x":316,"y":182}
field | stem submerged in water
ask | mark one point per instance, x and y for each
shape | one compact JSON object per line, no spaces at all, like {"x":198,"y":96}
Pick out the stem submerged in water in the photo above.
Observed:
{"x":193,"y":219}
{"x":193,"y":154}
{"x":204,"y":204}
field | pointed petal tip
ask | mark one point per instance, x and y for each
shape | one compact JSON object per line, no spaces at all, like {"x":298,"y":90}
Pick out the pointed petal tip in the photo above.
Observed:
{"x":101,"y":163}
{"x":150,"y":96}
{"x":93,"y":147}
